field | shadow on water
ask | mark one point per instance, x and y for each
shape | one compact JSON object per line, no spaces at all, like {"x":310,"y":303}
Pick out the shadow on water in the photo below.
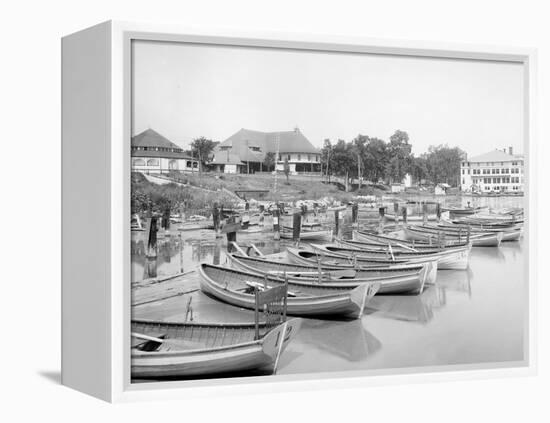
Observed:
{"x":348,"y":340}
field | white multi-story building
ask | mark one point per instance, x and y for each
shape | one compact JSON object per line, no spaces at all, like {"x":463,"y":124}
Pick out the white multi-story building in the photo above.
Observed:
{"x":495,"y":171}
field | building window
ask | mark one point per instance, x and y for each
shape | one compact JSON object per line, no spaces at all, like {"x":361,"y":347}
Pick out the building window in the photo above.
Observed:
{"x":463,"y":173}
{"x":188,"y":163}
{"x":153,"y":162}
{"x":299,"y":157}
{"x":139,"y":162}
{"x":173,"y":164}
{"x":308,"y":158}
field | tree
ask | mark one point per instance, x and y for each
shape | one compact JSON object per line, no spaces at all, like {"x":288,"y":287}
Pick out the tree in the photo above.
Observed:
{"x":202,"y":148}
{"x":375,"y":159}
{"x":286,"y":169}
{"x":360,"y":144}
{"x":400,"y":158}
{"x":443,"y":164}
{"x":326,"y":156}
{"x":269,"y":160}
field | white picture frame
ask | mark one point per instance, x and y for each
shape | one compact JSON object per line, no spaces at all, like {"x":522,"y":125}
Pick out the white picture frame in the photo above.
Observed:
{"x":96,"y":138}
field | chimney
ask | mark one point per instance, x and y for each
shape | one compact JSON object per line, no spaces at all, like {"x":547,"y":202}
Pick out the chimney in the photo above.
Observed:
{"x":510,"y":151}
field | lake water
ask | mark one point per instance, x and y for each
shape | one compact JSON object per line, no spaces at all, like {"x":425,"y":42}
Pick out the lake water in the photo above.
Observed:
{"x":471,"y":316}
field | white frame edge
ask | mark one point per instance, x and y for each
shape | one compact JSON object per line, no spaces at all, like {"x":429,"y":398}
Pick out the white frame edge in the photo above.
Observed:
{"x":119,"y":285}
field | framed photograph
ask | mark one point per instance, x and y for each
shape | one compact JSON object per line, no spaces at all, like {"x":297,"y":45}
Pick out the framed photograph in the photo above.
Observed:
{"x":254,"y":212}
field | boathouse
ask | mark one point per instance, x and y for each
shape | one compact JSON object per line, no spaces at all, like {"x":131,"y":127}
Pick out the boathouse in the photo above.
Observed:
{"x":246,"y":151}
{"x":153,"y":153}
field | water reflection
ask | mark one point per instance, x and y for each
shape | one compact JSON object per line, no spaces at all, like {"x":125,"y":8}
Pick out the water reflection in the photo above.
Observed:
{"x":348,"y":340}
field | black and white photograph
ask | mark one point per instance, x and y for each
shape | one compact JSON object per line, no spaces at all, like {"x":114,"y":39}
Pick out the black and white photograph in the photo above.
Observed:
{"x":308,"y":212}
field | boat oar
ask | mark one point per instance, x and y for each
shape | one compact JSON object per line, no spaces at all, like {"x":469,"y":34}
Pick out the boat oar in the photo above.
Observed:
{"x":147,"y":337}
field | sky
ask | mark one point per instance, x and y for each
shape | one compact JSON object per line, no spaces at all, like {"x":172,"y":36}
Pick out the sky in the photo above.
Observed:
{"x":185,"y":91}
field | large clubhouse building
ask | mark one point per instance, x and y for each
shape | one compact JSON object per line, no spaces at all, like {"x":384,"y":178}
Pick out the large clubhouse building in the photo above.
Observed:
{"x":496,"y":171}
{"x":246,"y":150}
{"x":153,"y":153}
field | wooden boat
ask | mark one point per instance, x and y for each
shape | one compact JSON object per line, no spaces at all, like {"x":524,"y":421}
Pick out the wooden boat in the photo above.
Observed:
{"x":312,"y":258}
{"x":426,"y":234}
{"x":166,"y":349}
{"x":307,"y":235}
{"x":410,"y":218}
{"x":509,"y":232}
{"x":236,"y":287}
{"x":461,"y":211}
{"x":409,"y":280}
{"x":448,"y":259}
{"x":135,"y":223}
{"x":398,"y":246}
{"x":374,"y":238}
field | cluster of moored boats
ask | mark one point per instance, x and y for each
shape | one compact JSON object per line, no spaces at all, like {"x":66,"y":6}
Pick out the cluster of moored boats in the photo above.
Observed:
{"x":336,"y":279}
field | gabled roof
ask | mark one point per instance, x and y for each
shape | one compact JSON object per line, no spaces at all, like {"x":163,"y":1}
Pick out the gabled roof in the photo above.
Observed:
{"x":289,"y":142}
{"x":496,"y":156}
{"x":151,"y":138}
{"x":226,"y":157}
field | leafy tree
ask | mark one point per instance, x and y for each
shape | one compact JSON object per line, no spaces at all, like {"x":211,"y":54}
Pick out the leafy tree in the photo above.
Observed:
{"x":326,"y":156}
{"x":202,"y":148}
{"x":443,"y":164}
{"x":400,"y":158}
{"x":286,"y":169}
{"x":375,"y":159}
{"x":269,"y":160}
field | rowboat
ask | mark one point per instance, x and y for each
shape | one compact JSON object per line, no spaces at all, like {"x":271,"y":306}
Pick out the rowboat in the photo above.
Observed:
{"x":398,"y":246}
{"x":312,"y":258}
{"x":236,"y":287}
{"x":166,"y":349}
{"x":371,"y":237}
{"x":509,"y":232}
{"x":410,"y":218}
{"x":306,"y":235}
{"x":407,"y":280}
{"x":448,"y":259}
{"x":421,"y":233}
{"x":463,"y":210}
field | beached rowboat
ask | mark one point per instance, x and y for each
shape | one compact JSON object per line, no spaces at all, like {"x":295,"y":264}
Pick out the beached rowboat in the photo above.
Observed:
{"x":306,"y":235}
{"x":236,"y":287}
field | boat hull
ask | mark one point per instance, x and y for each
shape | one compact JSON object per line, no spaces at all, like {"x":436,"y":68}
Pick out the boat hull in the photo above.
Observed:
{"x":233,"y":358}
{"x":317,"y":300}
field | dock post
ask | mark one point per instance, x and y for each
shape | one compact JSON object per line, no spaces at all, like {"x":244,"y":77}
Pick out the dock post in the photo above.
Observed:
{"x":296,"y":226}
{"x":231,"y":238}
{"x":396,"y":212}
{"x":262,"y":210}
{"x":216,"y":219}
{"x":336,"y":223}
{"x":276,"y":224}
{"x":381,"y":212}
{"x":404,"y":214}
{"x":151,"y":252}
{"x":354,"y":214}
{"x":424,"y":213}
{"x":438,"y":211}
{"x":181,"y":251}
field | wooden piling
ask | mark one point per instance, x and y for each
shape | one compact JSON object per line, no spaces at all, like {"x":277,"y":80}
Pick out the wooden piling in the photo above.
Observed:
{"x":354,"y":214}
{"x":381,"y":213}
{"x":296,"y":226}
{"x":438,"y":211}
{"x":404,"y":214}
{"x":336,"y":223}
{"x":276,"y":224}
{"x":424,"y":213}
